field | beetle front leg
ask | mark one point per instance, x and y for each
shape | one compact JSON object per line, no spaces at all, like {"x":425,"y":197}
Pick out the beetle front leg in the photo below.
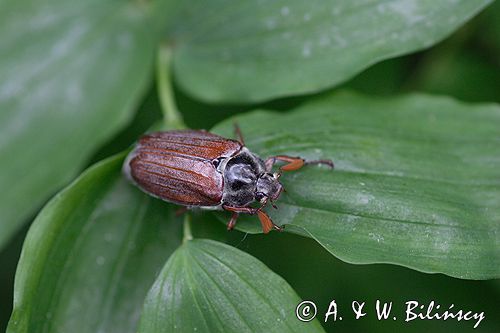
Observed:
{"x":265,"y":220}
{"x":293,"y":163}
{"x":267,"y":223}
{"x":232,"y":221}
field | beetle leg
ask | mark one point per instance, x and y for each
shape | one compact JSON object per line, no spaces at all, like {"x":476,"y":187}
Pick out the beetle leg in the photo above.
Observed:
{"x":237,"y":132}
{"x":181,"y":210}
{"x":321,"y":162}
{"x":232,"y":221}
{"x":247,"y":210}
{"x":293,"y":163}
{"x":266,"y":222}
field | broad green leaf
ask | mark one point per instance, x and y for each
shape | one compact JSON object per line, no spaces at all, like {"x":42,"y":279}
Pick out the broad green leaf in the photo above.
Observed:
{"x":416,"y":182}
{"x":71,"y":75}
{"x":91,"y":255}
{"x":239,"y":51}
{"x":207,"y":286}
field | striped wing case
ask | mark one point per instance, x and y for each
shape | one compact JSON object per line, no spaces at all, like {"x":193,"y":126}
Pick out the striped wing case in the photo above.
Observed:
{"x":177,"y":166}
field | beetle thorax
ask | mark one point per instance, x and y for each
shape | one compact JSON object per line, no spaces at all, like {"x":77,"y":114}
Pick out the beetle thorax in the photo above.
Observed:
{"x":246,"y":180}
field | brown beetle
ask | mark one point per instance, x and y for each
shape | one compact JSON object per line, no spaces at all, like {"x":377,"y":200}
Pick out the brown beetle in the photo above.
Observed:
{"x":200,"y":169}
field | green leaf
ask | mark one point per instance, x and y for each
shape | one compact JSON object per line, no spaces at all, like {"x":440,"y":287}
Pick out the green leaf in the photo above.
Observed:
{"x":238,"y":51}
{"x":416,"y":182}
{"x":91,"y":255}
{"x":72,"y":73}
{"x":208,"y":286}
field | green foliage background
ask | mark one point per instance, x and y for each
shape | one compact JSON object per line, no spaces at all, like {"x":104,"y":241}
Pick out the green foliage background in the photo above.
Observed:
{"x":414,"y":135}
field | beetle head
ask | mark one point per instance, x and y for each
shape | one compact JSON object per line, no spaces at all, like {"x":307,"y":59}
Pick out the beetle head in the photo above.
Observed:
{"x":268,"y":187}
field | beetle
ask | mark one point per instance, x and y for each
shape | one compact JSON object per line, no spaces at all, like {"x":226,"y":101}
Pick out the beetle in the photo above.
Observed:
{"x":195,"y":168}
